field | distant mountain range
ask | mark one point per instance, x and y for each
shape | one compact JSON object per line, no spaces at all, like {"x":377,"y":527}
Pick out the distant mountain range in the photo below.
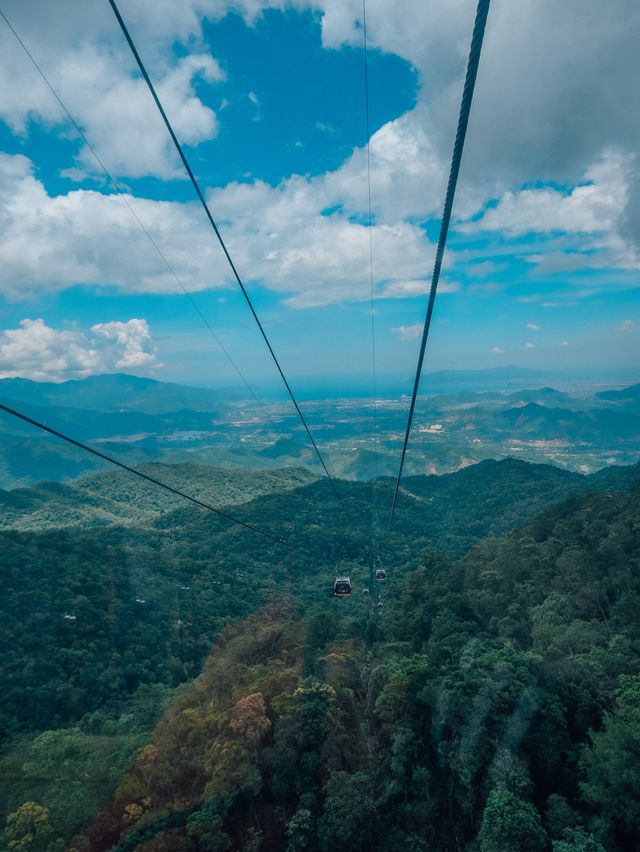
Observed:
{"x":115,"y":392}
{"x":630,"y":395}
{"x":142,"y":420}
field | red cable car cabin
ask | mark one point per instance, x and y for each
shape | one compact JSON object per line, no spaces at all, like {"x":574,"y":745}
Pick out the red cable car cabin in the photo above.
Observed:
{"x":342,"y":586}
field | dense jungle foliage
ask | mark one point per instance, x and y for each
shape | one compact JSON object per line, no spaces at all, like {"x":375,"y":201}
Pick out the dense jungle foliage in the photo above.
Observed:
{"x":494,"y":706}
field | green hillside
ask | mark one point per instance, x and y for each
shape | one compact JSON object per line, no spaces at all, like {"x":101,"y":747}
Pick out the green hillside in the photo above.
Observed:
{"x":144,"y":604}
{"x":117,"y":497}
{"x":114,"y":392}
{"x":496,"y":708}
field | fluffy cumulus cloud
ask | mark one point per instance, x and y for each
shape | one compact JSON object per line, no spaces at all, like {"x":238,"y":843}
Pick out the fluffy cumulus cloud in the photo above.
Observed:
{"x":87,"y":62}
{"x":86,"y":237}
{"x":408,"y":176}
{"x":278,"y":236}
{"x":557,"y":116}
{"x":531,"y":116}
{"x":595,"y":205}
{"x":549,"y":157}
{"x":36,"y":351}
{"x":131,"y":341}
{"x":538,"y":113}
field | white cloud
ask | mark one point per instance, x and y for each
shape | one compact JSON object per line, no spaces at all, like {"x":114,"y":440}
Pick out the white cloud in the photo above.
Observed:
{"x":36,"y":351}
{"x":533,"y":326}
{"x":327,"y":260}
{"x":626,"y":325}
{"x":528,"y":345}
{"x":595,"y":205}
{"x":408,"y":176}
{"x":127,"y":130}
{"x":277,"y":236}
{"x":530,"y":120}
{"x":497,"y":350}
{"x":285,"y":242}
{"x":86,"y":237}
{"x":563,"y":343}
{"x":409,"y":332}
{"x":254,"y":100}
{"x":132,"y":338}
{"x":420,"y":287}
{"x":532,"y":99}
{"x":524,"y":96}
{"x":88,"y":63}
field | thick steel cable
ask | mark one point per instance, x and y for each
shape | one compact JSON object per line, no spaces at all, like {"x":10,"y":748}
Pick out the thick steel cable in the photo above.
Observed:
{"x":463,"y":120}
{"x":374,"y":485}
{"x":123,"y":195}
{"x":144,"y":476}
{"x":216,"y":231}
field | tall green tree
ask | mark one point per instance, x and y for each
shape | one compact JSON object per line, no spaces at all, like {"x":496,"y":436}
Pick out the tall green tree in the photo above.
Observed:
{"x":510,"y":824}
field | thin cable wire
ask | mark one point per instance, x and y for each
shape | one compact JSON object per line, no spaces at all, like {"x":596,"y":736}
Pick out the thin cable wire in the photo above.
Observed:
{"x":124,"y":196}
{"x":144,"y":476}
{"x":216,"y":231}
{"x":463,"y":120}
{"x":374,"y":486}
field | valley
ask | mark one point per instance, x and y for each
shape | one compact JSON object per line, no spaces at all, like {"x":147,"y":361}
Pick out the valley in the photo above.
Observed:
{"x":143,"y":421}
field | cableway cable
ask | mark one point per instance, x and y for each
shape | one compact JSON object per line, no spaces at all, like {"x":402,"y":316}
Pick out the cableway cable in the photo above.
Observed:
{"x":374,"y":390}
{"x":220,"y":239}
{"x":463,"y":120}
{"x":144,"y":476}
{"x":123,"y":195}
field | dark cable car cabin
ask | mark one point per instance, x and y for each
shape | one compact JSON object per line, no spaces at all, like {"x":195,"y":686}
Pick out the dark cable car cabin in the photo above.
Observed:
{"x":381,"y":574}
{"x":342,"y":586}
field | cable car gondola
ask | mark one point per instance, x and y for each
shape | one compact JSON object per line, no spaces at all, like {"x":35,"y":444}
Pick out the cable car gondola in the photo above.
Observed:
{"x":342,"y":586}
{"x":365,"y":591}
{"x":381,"y":574}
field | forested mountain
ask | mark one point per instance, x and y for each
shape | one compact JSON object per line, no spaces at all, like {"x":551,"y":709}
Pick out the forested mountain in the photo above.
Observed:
{"x":143,"y":421}
{"x":116,"y":497}
{"x":629,"y":397}
{"x":491,"y":708}
{"x":114,"y":392}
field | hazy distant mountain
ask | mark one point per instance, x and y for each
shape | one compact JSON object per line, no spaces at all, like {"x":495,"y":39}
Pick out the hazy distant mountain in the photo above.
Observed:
{"x":478,"y":414}
{"x":284,"y":447}
{"x":115,"y":392}
{"x":539,"y":421}
{"x":543,"y":396}
{"x":463,"y":398}
{"x":88,"y":424}
{"x":626,"y":395}
{"x":456,"y":378}
{"x":631,"y":392}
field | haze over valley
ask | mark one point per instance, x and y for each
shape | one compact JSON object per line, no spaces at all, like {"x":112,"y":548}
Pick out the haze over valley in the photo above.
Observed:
{"x":491,"y":415}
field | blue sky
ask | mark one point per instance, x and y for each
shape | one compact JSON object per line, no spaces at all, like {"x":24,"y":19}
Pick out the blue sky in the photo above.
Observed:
{"x":542,"y":268}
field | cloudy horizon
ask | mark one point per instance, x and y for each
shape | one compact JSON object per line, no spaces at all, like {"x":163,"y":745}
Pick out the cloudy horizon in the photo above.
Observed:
{"x":542,"y":266}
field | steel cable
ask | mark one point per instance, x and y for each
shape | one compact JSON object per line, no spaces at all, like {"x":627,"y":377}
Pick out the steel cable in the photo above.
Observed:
{"x":142,"y":475}
{"x":463,"y":120}
{"x":123,"y":195}
{"x":212,"y":222}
